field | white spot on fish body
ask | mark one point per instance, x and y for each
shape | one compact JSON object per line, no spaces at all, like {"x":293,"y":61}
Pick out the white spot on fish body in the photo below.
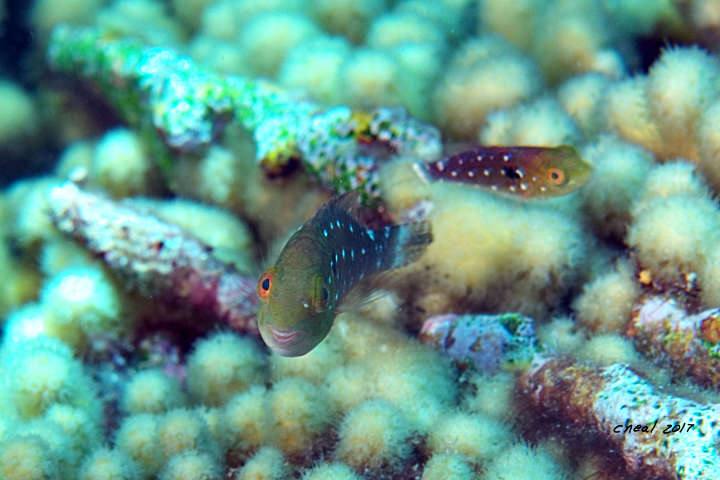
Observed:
{"x":534,"y":178}
{"x":440,"y":166}
{"x":329,"y":280}
{"x":325,"y":232}
{"x":471,"y":173}
{"x":486,"y":172}
{"x":543,"y":188}
{"x":362,"y":251}
{"x":337,"y":222}
{"x":520,"y":173}
{"x":336,"y":258}
{"x":506,"y":157}
{"x":371,"y":234}
{"x":352,"y":254}
{"x":512,"y":188}
{"x":351,"y":228}
{"x":493,"y":188}
{"x":479,"y":158}
{"x":306,"y":305}
{"x":343,"y":253}
{"x":523,"y":186}
{"x":454,"y":173}
{"x":331,"y":226}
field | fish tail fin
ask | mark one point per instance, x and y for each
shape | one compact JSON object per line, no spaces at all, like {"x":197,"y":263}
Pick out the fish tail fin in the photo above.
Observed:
{"x":411,"y":240}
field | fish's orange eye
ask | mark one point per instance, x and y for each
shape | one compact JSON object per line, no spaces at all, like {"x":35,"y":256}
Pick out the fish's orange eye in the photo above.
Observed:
{"x":556,"y":176}
{"x":264,"y":285}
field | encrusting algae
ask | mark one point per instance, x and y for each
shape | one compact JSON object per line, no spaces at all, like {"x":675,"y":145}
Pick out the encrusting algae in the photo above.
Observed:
{"x":538,"y":303}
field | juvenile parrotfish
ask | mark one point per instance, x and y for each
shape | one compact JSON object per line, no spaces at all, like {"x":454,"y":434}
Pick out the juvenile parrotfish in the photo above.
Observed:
{"x":319,"y":265}
{"x":528,"y":172}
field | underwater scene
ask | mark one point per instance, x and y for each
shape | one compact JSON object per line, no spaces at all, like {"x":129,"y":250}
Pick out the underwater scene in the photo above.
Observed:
{"x":360,"y":239}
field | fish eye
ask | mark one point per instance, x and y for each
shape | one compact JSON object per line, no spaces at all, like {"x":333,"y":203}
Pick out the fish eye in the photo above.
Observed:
{"x":556,"y":176}
{"x":511,"y":173}
{"x":264,"y":285}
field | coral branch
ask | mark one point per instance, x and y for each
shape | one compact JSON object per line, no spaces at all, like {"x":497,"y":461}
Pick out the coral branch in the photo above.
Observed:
{"x":611,"y":399}
{"x":690,"y":343}
{"x":160,"y":260}
{"x":188,"y":106}
{"x":486,"y":341}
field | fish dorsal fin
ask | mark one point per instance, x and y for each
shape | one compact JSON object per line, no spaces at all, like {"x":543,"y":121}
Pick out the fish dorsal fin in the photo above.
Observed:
{"x":343,"y":207}
{"x":348,"y":202}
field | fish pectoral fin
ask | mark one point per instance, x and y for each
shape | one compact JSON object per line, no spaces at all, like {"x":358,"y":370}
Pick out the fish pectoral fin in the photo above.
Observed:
{"x":361,"y":303}
{"x":369,"y":291}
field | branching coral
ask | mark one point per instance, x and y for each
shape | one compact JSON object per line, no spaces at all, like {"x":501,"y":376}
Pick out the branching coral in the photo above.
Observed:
{"x":689,"y":343}
{"x":189,"y":106}
{"x":621,"y":406}
{"x":159,"y":259}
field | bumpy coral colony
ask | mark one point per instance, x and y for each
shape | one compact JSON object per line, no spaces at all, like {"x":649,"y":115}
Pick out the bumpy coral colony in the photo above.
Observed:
{"x":488,"y":233}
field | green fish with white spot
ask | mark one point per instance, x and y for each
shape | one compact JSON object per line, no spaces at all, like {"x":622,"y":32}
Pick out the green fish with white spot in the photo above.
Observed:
{"x":323,"y":261}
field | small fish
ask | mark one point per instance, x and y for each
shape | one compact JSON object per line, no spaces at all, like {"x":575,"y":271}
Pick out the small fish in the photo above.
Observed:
{"x":319,"y":265}
{"x":528,"y":172}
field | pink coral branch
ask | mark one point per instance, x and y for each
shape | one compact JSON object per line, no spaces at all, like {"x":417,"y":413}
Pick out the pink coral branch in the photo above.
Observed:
{"x":157,"y":259}
{"x":608,"y":400}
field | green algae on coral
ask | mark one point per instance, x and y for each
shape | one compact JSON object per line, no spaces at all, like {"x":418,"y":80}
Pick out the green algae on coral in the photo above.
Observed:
{"x":158,"y":90}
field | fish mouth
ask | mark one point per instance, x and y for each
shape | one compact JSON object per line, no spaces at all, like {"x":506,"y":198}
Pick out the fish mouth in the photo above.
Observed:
{"x":283,"y":337}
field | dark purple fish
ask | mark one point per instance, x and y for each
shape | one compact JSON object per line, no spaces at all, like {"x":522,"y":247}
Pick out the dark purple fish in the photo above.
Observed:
{"x":528,"y":172}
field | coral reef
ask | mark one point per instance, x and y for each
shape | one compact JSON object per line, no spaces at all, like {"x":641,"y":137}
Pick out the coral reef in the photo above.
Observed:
{"x":157,"y":156}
